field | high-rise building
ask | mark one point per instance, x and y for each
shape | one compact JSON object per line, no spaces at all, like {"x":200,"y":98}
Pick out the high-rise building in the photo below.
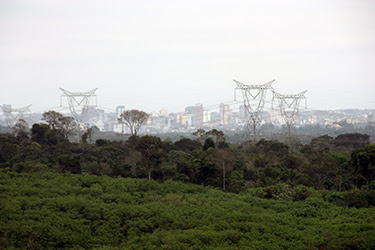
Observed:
{"x":186,"y":120}
{"x":164,"y":113}
{"x":189,"y":110}
{"x":224,"y":113}
{"x":120,"y":109}
{"x":197,"y":118}
{"x":206,"y":116}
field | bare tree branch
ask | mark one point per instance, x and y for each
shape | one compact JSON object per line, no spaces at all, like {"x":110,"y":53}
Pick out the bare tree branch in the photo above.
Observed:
{"x":133,"y":119}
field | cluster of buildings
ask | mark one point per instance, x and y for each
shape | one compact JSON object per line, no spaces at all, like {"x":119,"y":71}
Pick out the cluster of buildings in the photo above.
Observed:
{"x":223,"y":116}
{"x":191,"y":119}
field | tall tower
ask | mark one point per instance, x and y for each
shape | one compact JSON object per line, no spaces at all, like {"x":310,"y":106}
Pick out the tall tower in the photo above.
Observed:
{"x":78,"y":100}
{"x":289,"y":107}
{"x":254,"y":98}
{"x":13,"y":115}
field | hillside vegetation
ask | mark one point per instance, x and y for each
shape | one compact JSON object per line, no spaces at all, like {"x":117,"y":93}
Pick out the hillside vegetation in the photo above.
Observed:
{"x":50,"y":210}
{"x":202,"y":193}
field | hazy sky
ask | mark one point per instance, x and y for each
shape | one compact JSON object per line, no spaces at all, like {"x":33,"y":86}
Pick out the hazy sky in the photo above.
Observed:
{"x":170,"y":54}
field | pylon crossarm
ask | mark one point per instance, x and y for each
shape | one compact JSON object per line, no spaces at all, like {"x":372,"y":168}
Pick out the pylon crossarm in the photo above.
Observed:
{"x":266,"y":85}
{"x":87,"y":94}
{"x":12,"y":110}
{"x":289,"y":96}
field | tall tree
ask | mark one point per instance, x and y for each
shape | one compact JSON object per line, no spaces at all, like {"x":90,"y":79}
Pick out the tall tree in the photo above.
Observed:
{"x":218,"y":137}
{"x":363,"y":161}
{"x":133,"y":159}
{"x":201,"y":135}
{"x":133,"y":119}
{"x":52,"y":118}
{"x":226,"y":159}
{"x":21,"y":130}
{"x":67,"y":126}
{"x":87,"y":135}
{"x":39,"y":133}
{"x":152,"y":149}
{"x":61,"y":127}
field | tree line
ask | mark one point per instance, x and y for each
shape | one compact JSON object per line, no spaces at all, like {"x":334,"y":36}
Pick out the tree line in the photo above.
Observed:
{"x":343,"y":163}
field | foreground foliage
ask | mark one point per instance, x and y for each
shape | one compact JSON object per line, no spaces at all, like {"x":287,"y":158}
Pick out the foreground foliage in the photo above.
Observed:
{"x":50,"y":210}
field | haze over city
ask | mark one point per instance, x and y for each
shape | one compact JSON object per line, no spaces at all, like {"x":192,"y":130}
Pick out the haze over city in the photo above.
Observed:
{"x":171,"y":54}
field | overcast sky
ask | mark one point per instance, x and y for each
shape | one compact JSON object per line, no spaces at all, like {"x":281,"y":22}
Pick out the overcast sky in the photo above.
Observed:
{"x":170,"y":54}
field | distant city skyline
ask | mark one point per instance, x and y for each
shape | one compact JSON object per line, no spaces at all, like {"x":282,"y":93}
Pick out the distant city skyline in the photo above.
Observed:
{"x":152,"y":55}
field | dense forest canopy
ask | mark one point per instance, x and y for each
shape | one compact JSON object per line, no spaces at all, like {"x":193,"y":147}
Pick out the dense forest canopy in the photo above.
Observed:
{"x":201,"y":192}
{"x":51,"y":210}
{"x":343,"y":163}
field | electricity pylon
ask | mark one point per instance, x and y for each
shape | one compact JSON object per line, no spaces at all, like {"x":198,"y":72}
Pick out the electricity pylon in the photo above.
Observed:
{"x":289,"y":108}
{"x":254,"y":97}
{"x":78,"y":100}
{"x":13,"y":115}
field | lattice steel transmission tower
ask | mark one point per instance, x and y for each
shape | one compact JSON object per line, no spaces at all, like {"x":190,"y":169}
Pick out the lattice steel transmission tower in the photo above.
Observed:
{"x":13,"y":115}
{"x":289,"y":108}
{"x":254,"y":97}
{"x":78,"y":100}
